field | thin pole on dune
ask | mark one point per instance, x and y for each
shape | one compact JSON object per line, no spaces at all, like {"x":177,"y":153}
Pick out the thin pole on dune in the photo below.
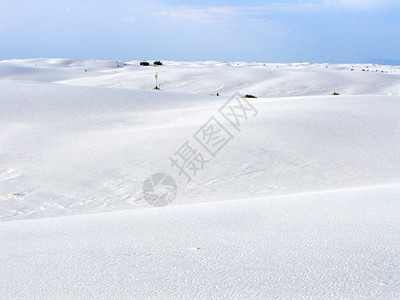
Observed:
{"x":156,"y":76}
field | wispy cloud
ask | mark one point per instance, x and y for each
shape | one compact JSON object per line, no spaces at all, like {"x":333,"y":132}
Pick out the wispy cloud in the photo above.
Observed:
{"x":219,"y":14}
{"x":206,"y":15}
{"x":359,"y":4}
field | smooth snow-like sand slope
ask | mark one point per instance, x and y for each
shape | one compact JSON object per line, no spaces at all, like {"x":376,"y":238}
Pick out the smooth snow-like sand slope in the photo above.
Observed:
{"x":73,"y":150}
{"x":82,"y":143}
{"x":341,"y":244}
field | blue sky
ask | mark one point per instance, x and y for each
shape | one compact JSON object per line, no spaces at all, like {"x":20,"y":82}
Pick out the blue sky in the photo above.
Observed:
{"x":263,"y":31}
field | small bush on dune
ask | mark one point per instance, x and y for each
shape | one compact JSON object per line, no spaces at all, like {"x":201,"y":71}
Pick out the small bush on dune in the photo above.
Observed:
{"x":144,"y":63}
{"x":249,"y":96}
{"x":157,"y":63}
{"x":335,"y":94}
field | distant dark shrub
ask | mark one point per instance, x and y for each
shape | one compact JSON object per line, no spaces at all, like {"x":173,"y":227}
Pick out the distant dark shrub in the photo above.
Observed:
{"x":335,"y":94}
{"x":157,"y":63}
{"x":144,"y":63}
{"x":249,"y":96}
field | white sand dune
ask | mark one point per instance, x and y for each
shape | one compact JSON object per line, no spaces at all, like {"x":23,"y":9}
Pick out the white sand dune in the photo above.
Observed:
{"x":263,"y":80}
{"x":80,"y":137}
{"x":341,"y":244}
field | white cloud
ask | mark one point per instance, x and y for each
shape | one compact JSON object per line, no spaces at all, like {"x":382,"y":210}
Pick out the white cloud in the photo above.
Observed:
{"x":218,"y":14}
{"x":229,"y":14}
{"x":360,"y":4}
{"x":206,"y":15}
